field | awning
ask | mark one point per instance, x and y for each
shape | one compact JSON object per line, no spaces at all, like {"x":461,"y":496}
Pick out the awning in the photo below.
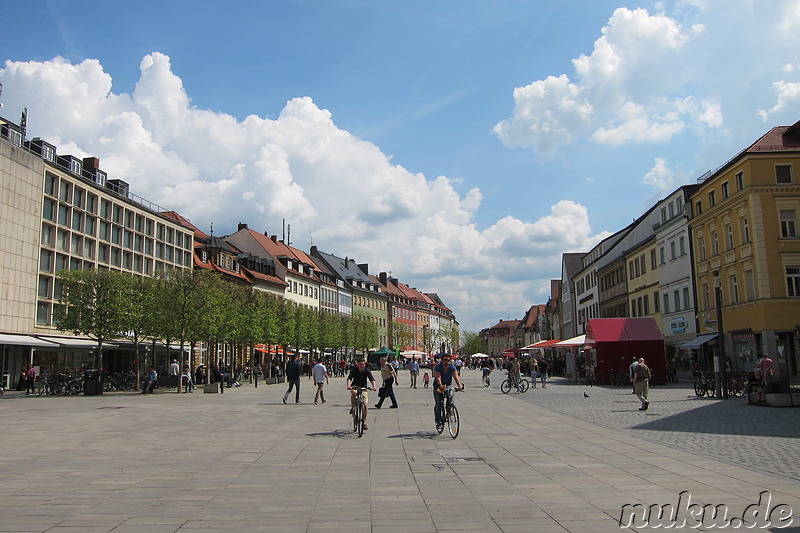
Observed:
{"x":25,"y":340}
{"x":71,"y":342}
{"x":698,"y":341}
{"x":580,"y":340}
{"x":541,"y":344}
{"x":479,"y":355}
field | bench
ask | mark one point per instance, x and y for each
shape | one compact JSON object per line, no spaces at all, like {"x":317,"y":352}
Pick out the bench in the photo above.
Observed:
{"x":211,"y":387}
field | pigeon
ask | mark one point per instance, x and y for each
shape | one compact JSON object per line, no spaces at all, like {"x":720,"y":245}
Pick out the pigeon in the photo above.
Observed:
{"x":585,"y":395}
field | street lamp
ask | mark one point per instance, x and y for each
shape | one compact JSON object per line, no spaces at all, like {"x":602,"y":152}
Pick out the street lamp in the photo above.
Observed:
{"x":722,"y":372}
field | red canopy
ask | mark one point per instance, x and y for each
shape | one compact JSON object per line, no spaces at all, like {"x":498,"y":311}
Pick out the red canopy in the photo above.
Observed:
{"x":622,"y":329}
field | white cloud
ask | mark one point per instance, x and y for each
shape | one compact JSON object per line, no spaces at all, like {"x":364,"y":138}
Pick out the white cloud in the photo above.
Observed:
{"x":788,"y":96}
{"x":341,"y":191}
{"x":652,"y":75}
{"x":662,"y":178}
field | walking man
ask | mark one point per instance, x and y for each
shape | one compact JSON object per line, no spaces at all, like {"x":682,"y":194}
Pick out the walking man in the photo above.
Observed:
{"x":413,"y":368}
{"x":631,"y":372}
{"x":641,"y":383}
{"x":293,"y":371}
{"x":321,"y":379}
{"x":389,"y":377}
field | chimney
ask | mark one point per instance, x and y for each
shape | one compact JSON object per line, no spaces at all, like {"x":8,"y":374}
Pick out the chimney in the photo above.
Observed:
{"x":91,"y":164}
{"x":364,"y":268}
{"x":313,"y":249}
{"x":382,"y":276}
{"x":242,"y":226}
{"x":274,"y":239}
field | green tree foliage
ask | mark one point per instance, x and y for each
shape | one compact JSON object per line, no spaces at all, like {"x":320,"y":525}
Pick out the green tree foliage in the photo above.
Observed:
{"x":471,"y":343}
{"x":93,"y":303}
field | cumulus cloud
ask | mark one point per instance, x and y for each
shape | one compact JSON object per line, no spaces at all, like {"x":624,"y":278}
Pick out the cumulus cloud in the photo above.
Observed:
{"x":334,"y":188}
{"x":662,"y":178}
{"x":654,"y":75}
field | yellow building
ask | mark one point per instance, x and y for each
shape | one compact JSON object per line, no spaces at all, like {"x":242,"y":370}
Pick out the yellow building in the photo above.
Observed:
{"x":744,"y":231}
{"x":643,"y":280}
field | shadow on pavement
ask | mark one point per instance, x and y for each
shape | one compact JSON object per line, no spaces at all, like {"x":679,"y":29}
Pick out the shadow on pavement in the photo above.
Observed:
{"x":417,"y":435}
{"x":725,"y":418}
{"x":338,"y":433}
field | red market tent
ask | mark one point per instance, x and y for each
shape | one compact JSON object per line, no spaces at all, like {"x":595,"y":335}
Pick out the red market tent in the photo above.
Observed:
{"x":614,"y":342}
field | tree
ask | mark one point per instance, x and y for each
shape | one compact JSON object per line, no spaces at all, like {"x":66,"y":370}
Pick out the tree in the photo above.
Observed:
{"x":93,"y":303}
{"x":471,"y":343}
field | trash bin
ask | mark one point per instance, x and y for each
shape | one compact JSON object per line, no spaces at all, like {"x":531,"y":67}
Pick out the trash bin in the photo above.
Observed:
{"x":92,"y":383}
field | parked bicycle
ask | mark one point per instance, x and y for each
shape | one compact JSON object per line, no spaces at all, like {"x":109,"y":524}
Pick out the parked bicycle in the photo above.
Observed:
{"x":450,"y":414}
{"x":619,"y":379}
{"x":705,"y":384}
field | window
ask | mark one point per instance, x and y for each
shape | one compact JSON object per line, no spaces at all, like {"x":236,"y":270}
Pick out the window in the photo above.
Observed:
{"x":706,"y":298}
{"x":61,"y":262}
{"x":62,"y":241}
{"x":630,"y":266}
{"x":783,"y":173}
{"x":666,"y":303}
{"x":729,"y":232}
{"x":724,"y":190}
{"x":686,"y":304}
{"x":646,"y":305}
{"x":682,"y":245}
{"x":672,"y":250}
{"x":750,"y":285}
{"x":698,"y":208}
{"x":734,"y":290}
{"x":63,"y":215}
{"x":643,"y":263}
{"x":77,"y":198}
{"x":661,"y":255}
{"x":50,"y":183}
{"x":43,"y":313}
{"x":712,"y":198}
{"x":89,"y":227}
{"x":788,"y":226}
{"x":663,"y":215}
{"x":45,"y":282}
{"x":48,"y":209}
{"x":129,"y":219}
{"x":671,"y":210}
{"x":745,"y":231}
{"x":76,"y":244}
{"x":116,"y":234}
{"x":47,"y":235}
{"x":676,"y":298}
{"x":679,"y":205}
{"x":65,"y":191}
{"x":117,"y":214}
{"x":105,"y":209}
{"x":739,"y":181}
{"x":77,"y":220}
{"x":793,"y":280}
{"x":91,"y":203}
{"x":652,"y":259}
{"x":714,"y":243}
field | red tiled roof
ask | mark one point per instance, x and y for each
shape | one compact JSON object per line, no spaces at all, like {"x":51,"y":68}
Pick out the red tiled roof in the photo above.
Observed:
{"x":183,"y":221}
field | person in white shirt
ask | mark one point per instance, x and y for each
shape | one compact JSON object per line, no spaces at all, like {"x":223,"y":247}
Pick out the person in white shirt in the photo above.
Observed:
{"x":320,"y":374}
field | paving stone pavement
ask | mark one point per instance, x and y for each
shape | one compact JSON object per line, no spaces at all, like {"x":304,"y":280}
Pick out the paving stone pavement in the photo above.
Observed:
{"x":547,"y":460}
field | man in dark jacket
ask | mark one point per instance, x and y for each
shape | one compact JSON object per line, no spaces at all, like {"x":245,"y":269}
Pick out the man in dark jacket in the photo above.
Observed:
{"x":293,"y":371}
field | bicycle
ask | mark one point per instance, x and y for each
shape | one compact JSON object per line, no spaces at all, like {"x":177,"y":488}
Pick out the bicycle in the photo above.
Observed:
{"x":507,"y":385}
{"x":705,"y":385}
{"x":359,"y":411}
{"x":485,"y":380}
{"x":450,"y":414}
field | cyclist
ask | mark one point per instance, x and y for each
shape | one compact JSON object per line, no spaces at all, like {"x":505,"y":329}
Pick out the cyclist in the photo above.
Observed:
{"x":358,"y":378}
{"x":443,"y":375}
{"x":486,"y":371}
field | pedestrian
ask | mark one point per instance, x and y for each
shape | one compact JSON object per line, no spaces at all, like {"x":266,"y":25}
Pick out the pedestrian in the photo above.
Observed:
{"x":389,"y":377}
{"x":200,"y":375}
{"x":534,"y":371}
{"x":631,"y":371}
{"x":767,"y":367}
{"x":641,"y":383}
{"x":426,"y":379}
{"x":22,"y":379}
{"x":514,"y":374}
{"x":321,"y":379}
{"x":544,"y":366}
{"x":186,"y":377}
{"x":294,"y":370}
{"x":173,"y":372}
{"x":413,"y":369}
{"x":30,"y":378}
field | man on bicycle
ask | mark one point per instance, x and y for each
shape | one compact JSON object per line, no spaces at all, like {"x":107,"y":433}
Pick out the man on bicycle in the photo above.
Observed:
{"x":443,"y":375}
{"x":358,"y":378}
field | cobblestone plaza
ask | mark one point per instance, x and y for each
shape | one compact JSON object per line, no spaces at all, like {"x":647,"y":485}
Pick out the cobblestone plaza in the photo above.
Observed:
{"x":546,"y":460}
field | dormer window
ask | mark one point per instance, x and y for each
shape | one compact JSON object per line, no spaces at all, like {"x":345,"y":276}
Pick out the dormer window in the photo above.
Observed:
{"x":236,"y":267}
{"x":204,"y":256}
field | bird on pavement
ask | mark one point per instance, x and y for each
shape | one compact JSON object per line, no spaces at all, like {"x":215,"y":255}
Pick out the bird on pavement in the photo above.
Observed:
{"x":585,"y":395}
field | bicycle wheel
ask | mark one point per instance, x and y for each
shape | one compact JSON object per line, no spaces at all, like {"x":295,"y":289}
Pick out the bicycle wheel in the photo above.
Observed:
{"x":361,"y":420}
{"x":485,"y":381}
{"x":505,"y":387}
{"x":38,"y":388}
{"x":523,"y":386}
{"x":699,"y":387}
{"x":452,"y":420}
{"x":355,"y":417}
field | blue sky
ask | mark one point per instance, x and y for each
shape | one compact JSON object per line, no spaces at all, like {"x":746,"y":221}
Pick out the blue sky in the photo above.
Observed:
{"x":464,"y":145}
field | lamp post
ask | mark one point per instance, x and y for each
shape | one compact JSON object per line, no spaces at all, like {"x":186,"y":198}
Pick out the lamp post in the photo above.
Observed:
{"x":722,"y":372}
